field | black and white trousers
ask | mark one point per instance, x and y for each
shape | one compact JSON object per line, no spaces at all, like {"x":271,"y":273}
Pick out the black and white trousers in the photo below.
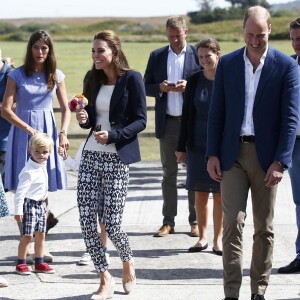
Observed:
{"x":101,"y":192}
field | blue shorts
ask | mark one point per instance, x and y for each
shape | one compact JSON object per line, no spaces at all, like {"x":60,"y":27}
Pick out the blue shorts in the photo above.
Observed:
{"x":34,"y":216}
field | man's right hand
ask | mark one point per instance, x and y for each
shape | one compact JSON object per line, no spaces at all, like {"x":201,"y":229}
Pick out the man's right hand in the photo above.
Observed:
{"x":165,"y":88}
{"x":214,"y":169}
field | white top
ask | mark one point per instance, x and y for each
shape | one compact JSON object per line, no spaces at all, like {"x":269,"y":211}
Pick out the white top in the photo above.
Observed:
{"x":251,"y":83}
{"x":73,"y":163}
{"x":102,"y":111}
{"x":175,"y":66}
{"x":33,"y":184}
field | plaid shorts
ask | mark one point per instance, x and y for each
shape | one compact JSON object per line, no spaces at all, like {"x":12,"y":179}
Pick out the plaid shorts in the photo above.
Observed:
{"x":34,"y":216}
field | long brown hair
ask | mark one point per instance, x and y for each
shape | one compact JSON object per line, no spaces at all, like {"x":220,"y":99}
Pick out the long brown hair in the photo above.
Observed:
{"x":50,"y":63}
{"x":95,"y":78}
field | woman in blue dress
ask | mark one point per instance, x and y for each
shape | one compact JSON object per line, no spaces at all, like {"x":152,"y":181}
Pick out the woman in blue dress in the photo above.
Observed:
{"x":32,"y":87}
{"x":192,"y":145}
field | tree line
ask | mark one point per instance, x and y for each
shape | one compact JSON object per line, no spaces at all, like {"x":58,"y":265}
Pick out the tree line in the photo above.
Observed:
{"x":208,"y":14}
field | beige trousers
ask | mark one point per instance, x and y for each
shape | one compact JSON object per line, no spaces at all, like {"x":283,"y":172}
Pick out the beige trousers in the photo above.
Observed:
{"x":247,"y":174}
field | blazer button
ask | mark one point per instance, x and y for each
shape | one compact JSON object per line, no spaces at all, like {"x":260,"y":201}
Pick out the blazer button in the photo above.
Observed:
{"x":112,"y":123}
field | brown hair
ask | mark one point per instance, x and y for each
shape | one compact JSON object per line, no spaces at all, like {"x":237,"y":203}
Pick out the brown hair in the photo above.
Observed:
{"x":95,"y":78}
{"x":176,"y":22}
{"x":50,"y":63}
{"x":257,"y":12}
{"x":209,"y":43}
{"x":295,"y":24}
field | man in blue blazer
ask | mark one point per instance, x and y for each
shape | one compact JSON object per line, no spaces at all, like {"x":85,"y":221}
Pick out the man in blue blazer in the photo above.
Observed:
{"x":294,"y":171}
{"x":165,"y":78}
{"x":251,"y":133}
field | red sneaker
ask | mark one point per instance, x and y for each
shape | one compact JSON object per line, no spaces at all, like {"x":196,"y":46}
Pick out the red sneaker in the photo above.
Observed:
{"x":43,"y":268}
{"x":23,"y":269}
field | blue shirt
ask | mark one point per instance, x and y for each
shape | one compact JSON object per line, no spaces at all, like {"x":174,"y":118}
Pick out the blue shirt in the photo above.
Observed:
{"x":4,"y":125}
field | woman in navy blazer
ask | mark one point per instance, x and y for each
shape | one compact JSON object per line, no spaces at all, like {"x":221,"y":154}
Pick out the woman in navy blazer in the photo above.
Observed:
{"x":116,"y":113}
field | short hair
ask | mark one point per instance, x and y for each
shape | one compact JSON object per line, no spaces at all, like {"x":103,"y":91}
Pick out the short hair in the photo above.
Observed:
{"x":257,"y":12}
{"x":295,"y":24}
{"x":209,"y":43}
{"x":176,"y":22}
{"x":40,"y":140}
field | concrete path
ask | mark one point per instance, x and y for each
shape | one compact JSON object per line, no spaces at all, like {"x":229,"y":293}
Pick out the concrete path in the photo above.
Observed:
{"x":164,"y":268}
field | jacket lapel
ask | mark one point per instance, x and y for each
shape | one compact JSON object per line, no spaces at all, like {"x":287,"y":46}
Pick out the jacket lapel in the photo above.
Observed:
{"x":266,"y":72}
{"x":187,"y":62}
{"x":163,"y":63}
{"x":240,"y":74}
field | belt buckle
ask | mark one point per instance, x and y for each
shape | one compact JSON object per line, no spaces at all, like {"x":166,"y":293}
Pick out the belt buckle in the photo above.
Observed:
{"x":242,"y":139}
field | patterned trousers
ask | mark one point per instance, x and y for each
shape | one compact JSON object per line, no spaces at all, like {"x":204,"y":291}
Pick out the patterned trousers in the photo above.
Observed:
{"x":101,"y":192}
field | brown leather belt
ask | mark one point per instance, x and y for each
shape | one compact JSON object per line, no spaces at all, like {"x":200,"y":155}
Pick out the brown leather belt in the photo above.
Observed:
{"x":247,"y":139}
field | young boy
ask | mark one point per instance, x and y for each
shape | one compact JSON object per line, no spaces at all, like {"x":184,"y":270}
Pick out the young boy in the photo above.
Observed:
{"x":30,"y":206}
{"x":73,"y":164}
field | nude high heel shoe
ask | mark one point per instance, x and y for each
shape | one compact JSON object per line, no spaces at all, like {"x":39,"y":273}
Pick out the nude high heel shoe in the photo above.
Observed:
{"x":129,"y":285}
{"x":108,"y":294}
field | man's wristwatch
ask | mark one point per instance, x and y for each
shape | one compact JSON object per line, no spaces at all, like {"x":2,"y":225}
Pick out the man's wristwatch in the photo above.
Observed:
{"x":284,"y":167}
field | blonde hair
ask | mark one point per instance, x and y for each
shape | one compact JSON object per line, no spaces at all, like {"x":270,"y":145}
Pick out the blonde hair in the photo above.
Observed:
{"x":40,"y":140}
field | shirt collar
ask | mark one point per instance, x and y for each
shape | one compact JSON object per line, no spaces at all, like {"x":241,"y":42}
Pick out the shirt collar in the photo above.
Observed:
{"x":262,"y":59}
{"x":182,"y":51}
{"x":35,"y":164}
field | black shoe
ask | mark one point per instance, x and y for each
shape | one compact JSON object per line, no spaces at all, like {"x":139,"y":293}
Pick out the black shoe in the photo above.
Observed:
{"x":51,"y":221}
{"x":230,"y":298}
{"x":293,"y":267}
{"x":197,"y":249}
{"x":257,"y":297}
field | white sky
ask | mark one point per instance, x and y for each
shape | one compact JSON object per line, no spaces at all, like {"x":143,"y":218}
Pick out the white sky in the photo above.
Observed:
{"x":15,"y":9}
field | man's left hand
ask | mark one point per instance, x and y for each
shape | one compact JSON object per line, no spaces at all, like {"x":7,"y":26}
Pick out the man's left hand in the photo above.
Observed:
{"x":274,"y":174}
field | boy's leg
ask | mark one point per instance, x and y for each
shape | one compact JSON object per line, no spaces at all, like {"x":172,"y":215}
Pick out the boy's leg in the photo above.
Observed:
{"x":39,"y":245}
{"x":29,"y":259}
{"x":23,"y":246}
{"x":40,"y":233}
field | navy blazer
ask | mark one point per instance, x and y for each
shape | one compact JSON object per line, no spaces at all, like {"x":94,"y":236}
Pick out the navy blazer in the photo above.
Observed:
{"x":127,"y":115}
{"x":275,"y":110}
{"x":156,"y":73}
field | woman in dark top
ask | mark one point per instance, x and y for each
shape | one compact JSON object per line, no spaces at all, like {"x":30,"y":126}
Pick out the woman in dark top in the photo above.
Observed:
{"x":192,"y":144}
{"x":116,"y":113}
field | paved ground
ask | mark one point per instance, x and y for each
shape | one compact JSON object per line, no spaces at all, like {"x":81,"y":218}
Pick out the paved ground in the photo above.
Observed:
{"x":164,"y":268}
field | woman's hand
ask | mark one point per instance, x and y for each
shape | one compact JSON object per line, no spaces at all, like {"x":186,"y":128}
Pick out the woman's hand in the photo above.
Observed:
{"x":30,"y":131}
{"x":82,"y":116}
{"x":101,"y":137}
{"x":63,"y":141}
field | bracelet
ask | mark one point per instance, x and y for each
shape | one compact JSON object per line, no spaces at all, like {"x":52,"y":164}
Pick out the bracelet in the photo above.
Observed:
{"x":63,"y":131}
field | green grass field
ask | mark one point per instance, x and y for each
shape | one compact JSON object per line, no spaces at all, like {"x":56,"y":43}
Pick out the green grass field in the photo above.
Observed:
{"x":74,"y":59}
